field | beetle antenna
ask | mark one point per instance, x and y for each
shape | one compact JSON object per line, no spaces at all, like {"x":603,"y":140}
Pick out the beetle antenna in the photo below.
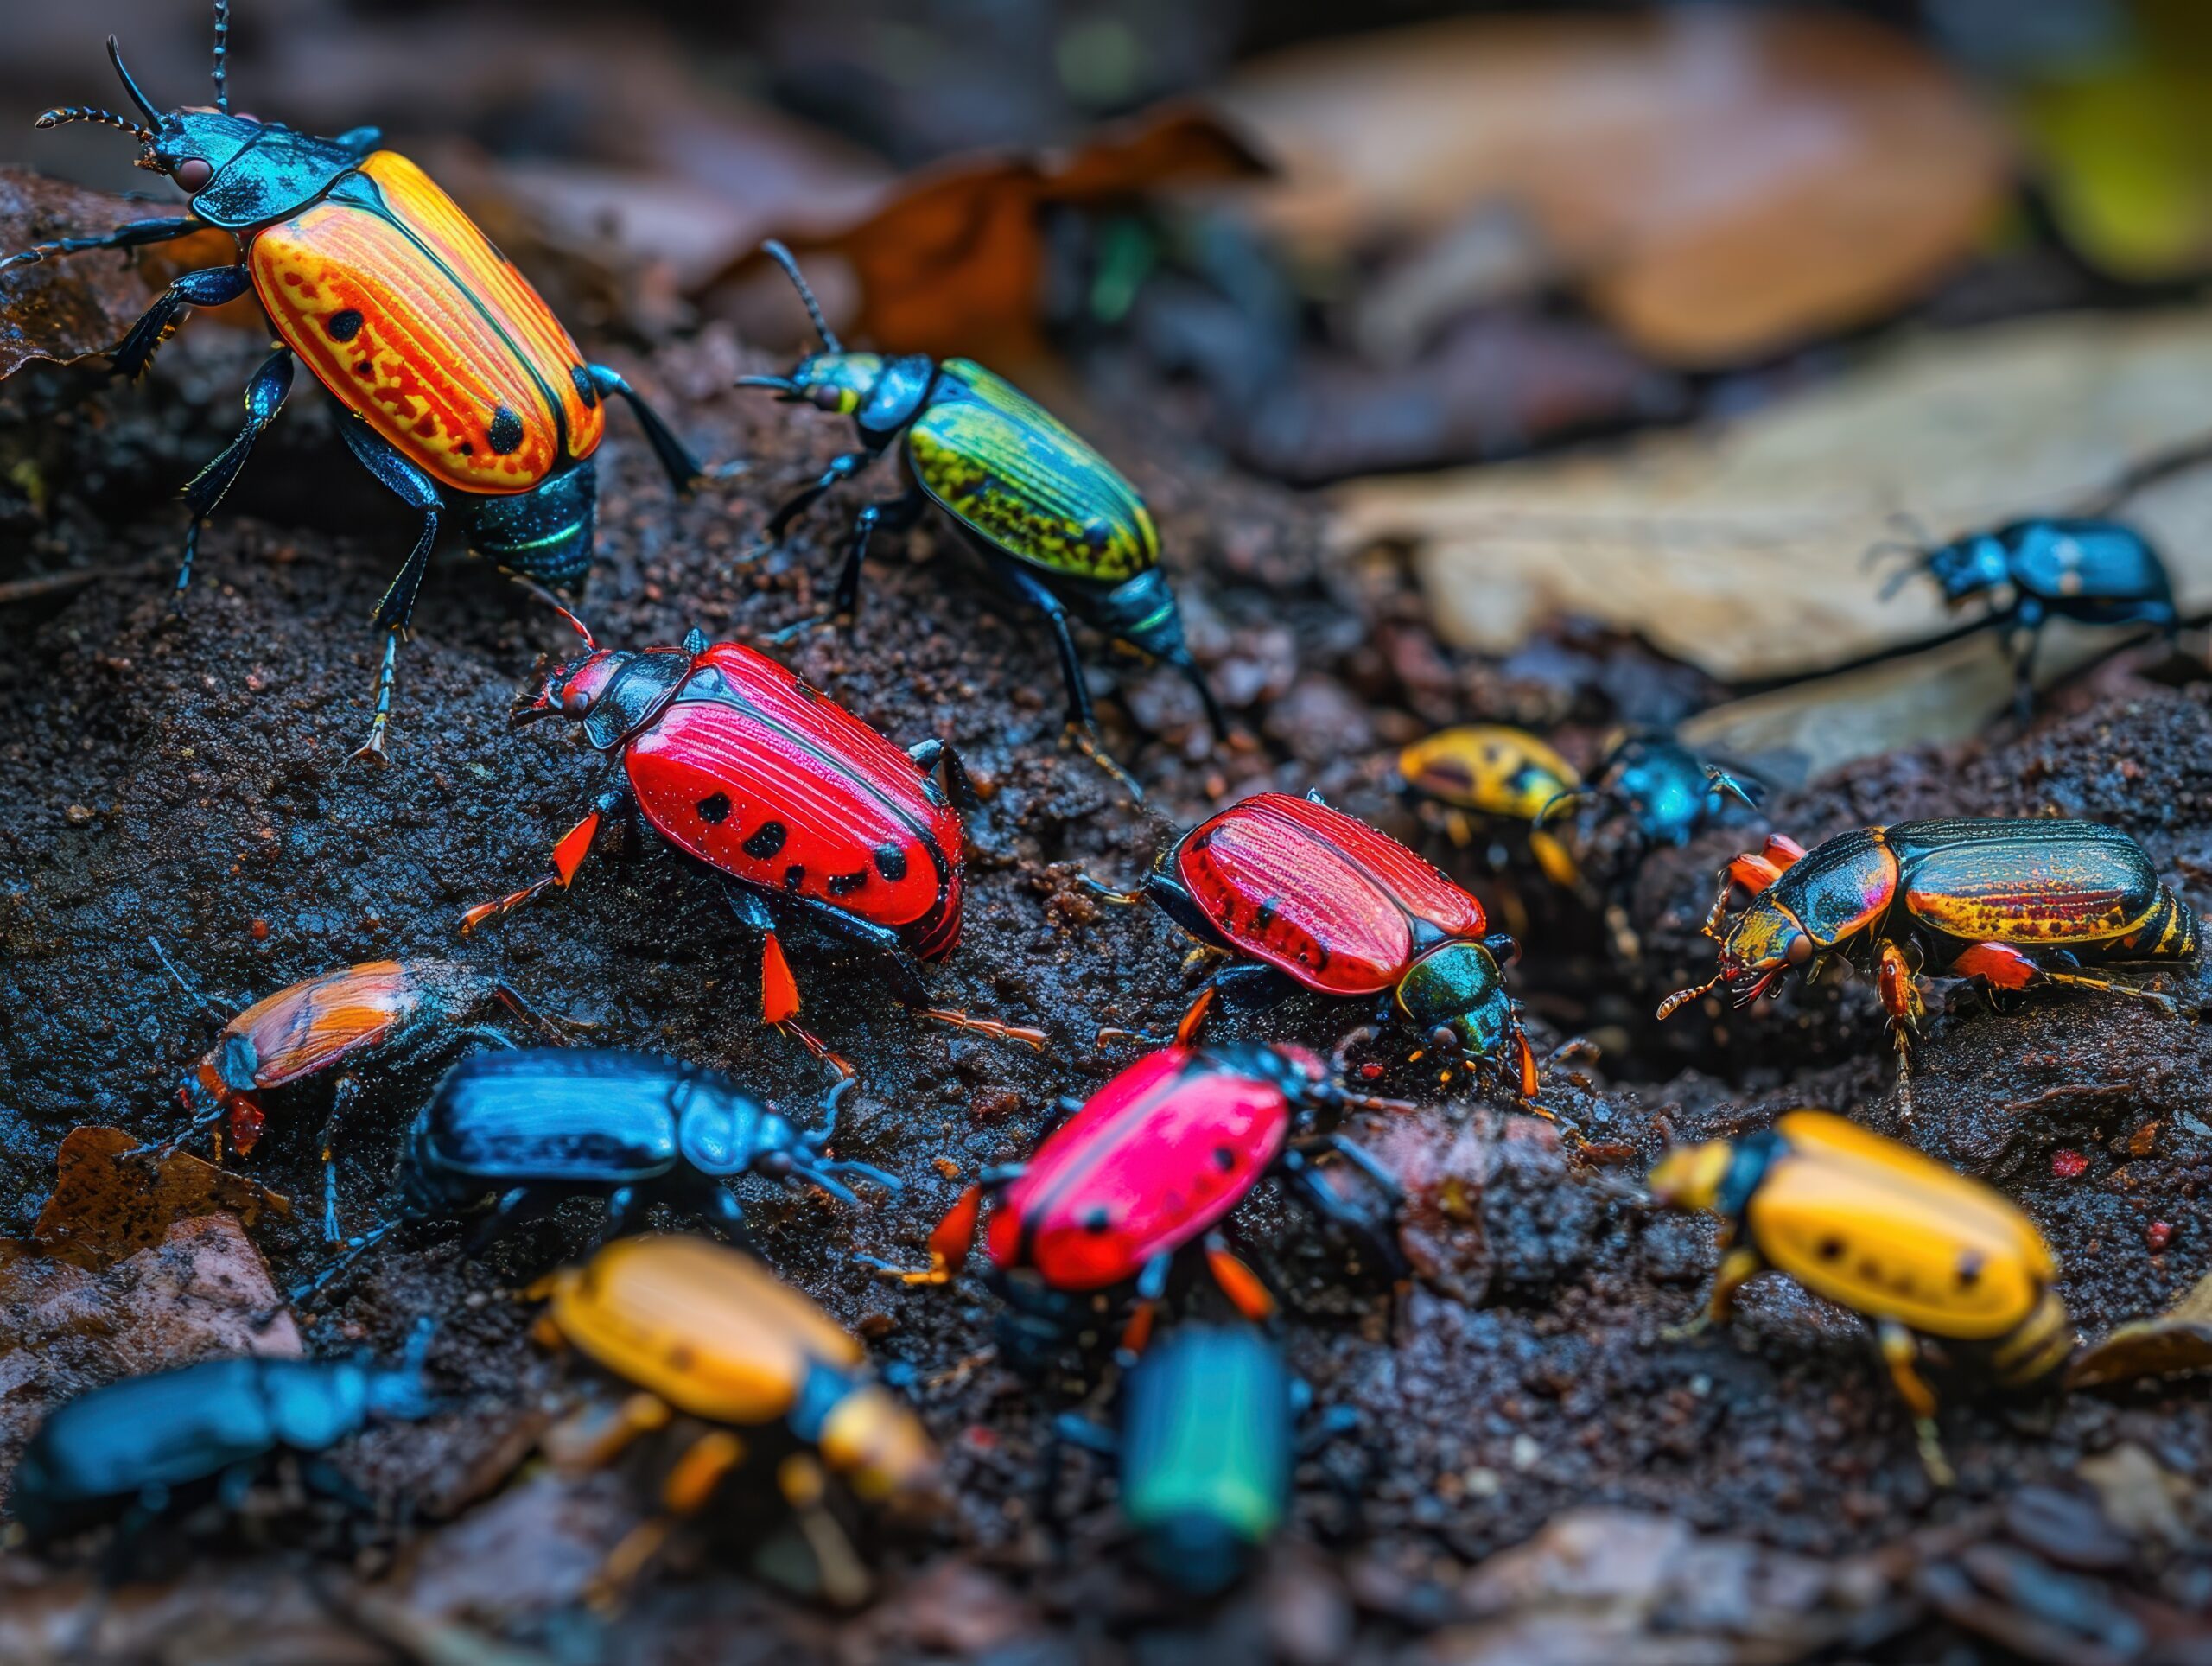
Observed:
{"x":145,"y":105}
{"x":184,"y":982}
{"x":558,"y":606}
{"x":90,"y":113}
{"x":826,"y":1131}
{"x":1681,"y":998}
{"x":222,"y":55}
{"x":776,"y":252}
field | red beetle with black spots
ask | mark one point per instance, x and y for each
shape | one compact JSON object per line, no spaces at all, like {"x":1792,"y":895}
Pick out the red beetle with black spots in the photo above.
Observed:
{"x":1296,"y":894}
{"x":809,"y":817}
{"x":1148,"y":1168}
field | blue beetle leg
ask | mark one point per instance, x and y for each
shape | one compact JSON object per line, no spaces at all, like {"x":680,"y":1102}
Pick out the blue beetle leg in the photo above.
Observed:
{"x":868,"y":1171}
{"x":721,"y":1207}
{"x":1723,"y":784}
{"x":1325,"y":1201}
{"x":516,"y":1206}
{"x":1151,"y":1287}
{"x":355,"y":1249}
{"x":622,"y":1208}
{"x":210,"y":286}
{"x":1360,"y":1157}
{"x":1081,"y":721}
{"x":265,"y":398}
{"x":341,"y":1100}
{"x":683,"y":470}
{"x":840,"y":469}
{"x":135,"y":234}
{"x":803,"y":1174}
{"x":396,"y":612}
{"x":1073,"y":1428}
{"x":1216,"y":719}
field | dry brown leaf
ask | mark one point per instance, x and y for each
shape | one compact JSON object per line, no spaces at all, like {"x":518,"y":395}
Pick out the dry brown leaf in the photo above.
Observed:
{"x":1740,"y":549}
{"x":67,"y":308}
{"x":102,"y":1209}
{"x":952,"y":263}
{"x":1722,"y":182}
{"x":2177,"y":1340}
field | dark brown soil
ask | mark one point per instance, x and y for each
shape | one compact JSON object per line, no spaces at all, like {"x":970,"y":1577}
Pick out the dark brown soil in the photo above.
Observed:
{"x":187,"y":780}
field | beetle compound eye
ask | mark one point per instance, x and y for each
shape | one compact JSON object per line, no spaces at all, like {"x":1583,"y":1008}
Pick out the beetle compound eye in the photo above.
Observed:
{"x":1801,"y":951}
{"x":575,"y":702}
{"x":774,"y":1165}
{"x":1444,"y":1039}
{"x":194,"y":173}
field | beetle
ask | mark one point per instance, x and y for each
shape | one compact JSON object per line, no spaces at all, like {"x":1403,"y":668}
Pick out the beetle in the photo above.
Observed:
{"x":2015,"y":904}
{"x":708,"y":1333}
{"x":1484,"y":775}
{"x":1054,"y":521}
{"x":1667,"y":791}
{"x":1146,"y":1169}
{"x":808,"y":817}
{"x":146,"y":1444}
{"x":1912,"y":1245}
{"x":2101,"y":572}
{"x":396,"y":1018}
{"x":534,"y":1126}
{"x":1209,"y":1435}
{"x":1296,"y":894}
{"x":455,"y":378}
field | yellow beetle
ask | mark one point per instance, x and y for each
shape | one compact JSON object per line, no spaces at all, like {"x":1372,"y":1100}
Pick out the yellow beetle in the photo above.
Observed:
{"x":705,"y":1331}
{"x":1490,"y":773}
{"x":1915,"y":1247}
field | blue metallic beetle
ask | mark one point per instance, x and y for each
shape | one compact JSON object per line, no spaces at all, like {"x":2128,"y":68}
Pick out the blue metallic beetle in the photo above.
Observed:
{"x":2099,"y":572}
{"x":1666,"y":789}
{"x":142,"y":1447}
{"x":537,"y":1125}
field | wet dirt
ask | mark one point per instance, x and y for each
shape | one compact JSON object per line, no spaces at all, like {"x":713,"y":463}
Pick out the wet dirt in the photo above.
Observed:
{"x":185,"y":779}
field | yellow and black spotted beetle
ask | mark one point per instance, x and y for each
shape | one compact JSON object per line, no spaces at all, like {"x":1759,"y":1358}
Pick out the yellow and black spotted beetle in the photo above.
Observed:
{"x":1915,"y":1247}
{"x":707,"y":1332}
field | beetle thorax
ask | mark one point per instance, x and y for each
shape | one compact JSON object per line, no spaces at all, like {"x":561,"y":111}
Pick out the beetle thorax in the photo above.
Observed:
{"x":721,"y":1134}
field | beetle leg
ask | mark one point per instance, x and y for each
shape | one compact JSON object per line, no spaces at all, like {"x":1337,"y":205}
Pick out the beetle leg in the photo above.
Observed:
{"x":682,"y":469}
{"x":1901,"y":1352}
{"x":568,"y":853}
{"x":396,"y":612}
{"x":840,"y":469}
{"x":1900,"y":992}
{"x":1325,"y":1201}
{"x":1360,"y":1157}
{"x":1739,"y":1266}
{"x":1152,"y":1285}
{"x":210,"y":286}
{"x":1245,"y":1289}
{"x":1187,"y":1030}
{"x":949,"y":1242}
{"x":134,"y":234}
{"x":265,"y":398}
{"x":517,"y":1205}
{"x":845,"y":1576}
{"x":598,"y":1433}
{"x":893,"y":515}
{"x":624,"y":1206}
{"x":1081,"y":721}
{"x":341,"y":1100}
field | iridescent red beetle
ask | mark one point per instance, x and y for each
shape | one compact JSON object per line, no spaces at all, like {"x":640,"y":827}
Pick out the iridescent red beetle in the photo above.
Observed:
{"x":1297,"y":893}
{"x":1148,"y":1167}
{"x":809,"y":817}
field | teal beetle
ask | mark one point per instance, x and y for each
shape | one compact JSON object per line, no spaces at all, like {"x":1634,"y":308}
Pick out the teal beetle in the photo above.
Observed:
{"x":1056,"y":521}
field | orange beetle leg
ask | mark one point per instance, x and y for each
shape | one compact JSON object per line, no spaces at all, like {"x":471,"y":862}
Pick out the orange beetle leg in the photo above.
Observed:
{"x":567,"y":857}
{"x":1136,"y":1335}
{"x":1240,"y":1284}
{"x":949,"y":1241}
{"x":1032,"y":1038}
{"x":1187,"y":1032}
{"x":778,"y":988}
{"x":1754,"y":873}
{"x":1998,"y":965}
{"x":846,"y":1069}
{"x":692,"y":1479}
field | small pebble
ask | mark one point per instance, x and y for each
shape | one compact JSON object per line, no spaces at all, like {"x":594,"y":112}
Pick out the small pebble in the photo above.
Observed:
{"x":78,"y":815}
{"x":2068,"y":1165}
{"x":2158,"y":1235}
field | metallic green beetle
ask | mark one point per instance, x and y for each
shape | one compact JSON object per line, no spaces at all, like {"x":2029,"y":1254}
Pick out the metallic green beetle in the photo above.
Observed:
{"x":1055,"y":520}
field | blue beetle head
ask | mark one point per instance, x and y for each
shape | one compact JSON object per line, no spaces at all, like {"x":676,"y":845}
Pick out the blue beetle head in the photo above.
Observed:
{"x":191,"y":146}
{"x":722,"y":1132}
{"x":1968,"y":567}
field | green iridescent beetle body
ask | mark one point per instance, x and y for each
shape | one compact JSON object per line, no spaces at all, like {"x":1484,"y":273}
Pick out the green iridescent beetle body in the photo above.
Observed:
{"x":1055,"y":521}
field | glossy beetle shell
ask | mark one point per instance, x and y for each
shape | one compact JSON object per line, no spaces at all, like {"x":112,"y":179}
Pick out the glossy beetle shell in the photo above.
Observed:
{"x":1319,"y":894}
{"x":2025,"y":882}
{"x":1490,"y":769}
{"x":1018,"y":478}
{"x":707,"y":1329}
{"x":404,"y":309}
{"x":311,"y":1025}
{"x":1155,"y":1157}
{"x":773,"y":783}
{"x":585,"y":1115}
{"x":1876,"y":1227}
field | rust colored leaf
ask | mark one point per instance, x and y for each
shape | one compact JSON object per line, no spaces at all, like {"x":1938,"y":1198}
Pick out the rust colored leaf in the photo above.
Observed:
{"x":953,"y":261}
{"x":102,"y":1209}
{"x":71,"y":308}
{"x":1720,"y":183}
{"x":2178,"y":1340}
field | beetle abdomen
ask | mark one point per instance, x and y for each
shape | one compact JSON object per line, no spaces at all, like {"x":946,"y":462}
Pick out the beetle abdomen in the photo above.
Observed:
{"x":2064,"y":561}
{"x":1154,"y":1158}
{"x":404,"y":309}
{"x":552,"y":1114}
{"x":775,"y":783}
{"x":2026,"y":882}
{"x":1319,"y":894}
{"x":1023,"y":482}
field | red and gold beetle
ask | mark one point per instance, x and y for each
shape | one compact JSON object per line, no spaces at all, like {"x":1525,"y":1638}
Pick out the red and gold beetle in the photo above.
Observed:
{"x":1300,"y":894}
{"x":404,"y":1017}
{"x":809,"y":817}
{"x":1149,"y":1166}
{"x":455,"y":376}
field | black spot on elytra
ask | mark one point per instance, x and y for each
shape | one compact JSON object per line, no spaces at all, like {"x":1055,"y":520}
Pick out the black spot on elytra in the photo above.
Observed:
{"x":466,"y":448}
{"x":1095,"y":535}
{"x":1224,"y":1159}
{"x":1096,"y":1221}
{"x":366,"y":367}
{"x":344,"y":326}
{"x":505,"y":434}
{"x":890,"y":862}
{"x":1264,"y":915}
{"x":585,"y":391}
{"x":1969,"y":1270}
{"x":843,"y":885}
{"x":767,"y":839}
{"x":794,"y":876}
{"x":713,"y":809}
{"x":1829,"y":1249}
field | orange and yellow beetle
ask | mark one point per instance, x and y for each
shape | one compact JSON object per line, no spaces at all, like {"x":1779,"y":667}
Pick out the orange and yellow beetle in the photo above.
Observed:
{"x":1483,"y":775}
{"x":455,"y":374}
{"x":708,"y":1333}
{"x":1916,"y":1247}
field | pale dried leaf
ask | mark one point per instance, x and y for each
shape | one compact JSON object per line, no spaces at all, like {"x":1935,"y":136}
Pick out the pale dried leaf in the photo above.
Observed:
{"x":2177,"y":1340}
